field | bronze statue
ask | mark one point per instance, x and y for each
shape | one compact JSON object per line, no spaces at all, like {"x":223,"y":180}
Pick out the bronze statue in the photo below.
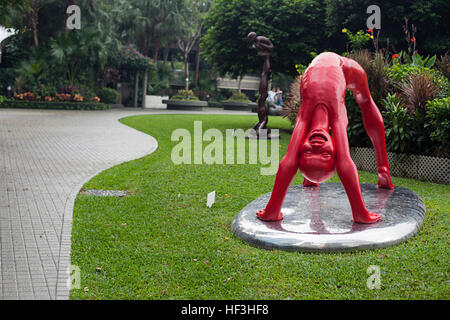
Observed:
{"x":265,"y":46}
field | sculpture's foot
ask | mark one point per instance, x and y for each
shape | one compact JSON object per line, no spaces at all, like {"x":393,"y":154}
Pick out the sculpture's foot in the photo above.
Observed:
{"x":368,"y":217}
{"x":384,"y":179}
{"x":265,"y":216}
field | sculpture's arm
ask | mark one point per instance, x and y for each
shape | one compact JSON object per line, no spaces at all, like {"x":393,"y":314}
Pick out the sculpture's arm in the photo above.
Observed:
{"x":286,"y":172}
{"x":264,"y":44}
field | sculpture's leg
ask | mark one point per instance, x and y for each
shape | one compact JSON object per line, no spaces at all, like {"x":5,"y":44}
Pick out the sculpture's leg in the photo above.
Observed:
{"x":348,"y":174}
{"x":373,"y":122}
{"x":263,"y":86}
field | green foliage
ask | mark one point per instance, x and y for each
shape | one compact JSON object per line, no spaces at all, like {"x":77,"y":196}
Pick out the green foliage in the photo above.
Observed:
{"x":429,"y":17}
{"x":159,"y":81}
{"x":399,"y":126}
{"x":359,"y":40}
{"x":108,"y":95}
{"x":2,"y":99}
{"x":356,"y":132}
{"x":419,"y":61}
{"x":439,"y":116}
{"x":54,"y":105}
{"x":239,"y":97}
{"x":187,"y":95}
{"x":295,"y":28}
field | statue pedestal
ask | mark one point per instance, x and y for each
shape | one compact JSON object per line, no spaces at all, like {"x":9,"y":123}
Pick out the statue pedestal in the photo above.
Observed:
{"x":320,"y":219}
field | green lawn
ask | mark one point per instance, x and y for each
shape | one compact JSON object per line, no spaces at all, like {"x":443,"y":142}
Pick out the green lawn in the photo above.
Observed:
{"x":164,"y":243}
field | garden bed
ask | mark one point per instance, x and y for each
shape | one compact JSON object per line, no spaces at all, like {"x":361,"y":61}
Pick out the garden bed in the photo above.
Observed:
{"x":54,"y":105}
{"x":185,"y":104}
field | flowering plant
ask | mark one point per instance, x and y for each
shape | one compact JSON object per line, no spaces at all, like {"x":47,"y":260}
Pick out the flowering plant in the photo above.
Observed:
{"x":358,"y":40}
{"x":131,"y":58}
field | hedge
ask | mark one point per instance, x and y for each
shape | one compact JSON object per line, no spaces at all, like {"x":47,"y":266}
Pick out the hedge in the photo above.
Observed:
{"x":54,"y":105}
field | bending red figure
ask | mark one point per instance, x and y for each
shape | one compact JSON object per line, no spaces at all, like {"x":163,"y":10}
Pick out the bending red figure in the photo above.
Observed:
{"x":318,"y":154}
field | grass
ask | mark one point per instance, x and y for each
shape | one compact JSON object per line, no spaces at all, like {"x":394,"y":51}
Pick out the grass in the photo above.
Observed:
{"x":164,"y":243}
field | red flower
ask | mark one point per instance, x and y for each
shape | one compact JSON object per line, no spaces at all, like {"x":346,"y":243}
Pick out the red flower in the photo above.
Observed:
{"x":370,"y":30}
{"x":395,"y":56}
{"x":413,"y":39}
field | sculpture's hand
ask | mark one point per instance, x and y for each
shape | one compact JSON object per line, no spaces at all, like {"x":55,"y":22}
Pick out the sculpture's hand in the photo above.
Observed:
{"x":384,"y":178}
{"x":368,"y":217}
{"x":264,"y":215}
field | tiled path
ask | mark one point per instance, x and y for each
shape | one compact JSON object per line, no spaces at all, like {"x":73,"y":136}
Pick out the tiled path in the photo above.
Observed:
{"x":45,"y":158}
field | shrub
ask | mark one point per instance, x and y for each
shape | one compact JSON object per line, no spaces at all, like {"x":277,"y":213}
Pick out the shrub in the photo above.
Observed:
{"x":399,"y":126}
{"x":358,"y":40}
{"x":293,"y":100}
{"x":108,"y":95}
{"x":444,"y":65}
{"x":376,"y":67}
{"x":238,"y":97}
{"x":187,"y":95}
{"x":417,"y":90}
{"x":2,"y":99}
{"x":439,"y":117}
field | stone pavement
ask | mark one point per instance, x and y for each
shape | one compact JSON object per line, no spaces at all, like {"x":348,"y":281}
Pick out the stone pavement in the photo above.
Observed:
{"x":45,"y":158}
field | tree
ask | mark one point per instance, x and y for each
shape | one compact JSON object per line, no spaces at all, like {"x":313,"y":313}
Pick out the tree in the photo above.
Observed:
{"x":295,"y":27}
{"x":191,"y":19}
{"x":22,"y":15}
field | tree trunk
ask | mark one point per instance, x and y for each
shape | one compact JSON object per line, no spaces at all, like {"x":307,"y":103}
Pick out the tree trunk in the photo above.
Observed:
{"x":186,"y":71}
{"x":157,"y":47}
{"x":144,"y":88}
{"x":239,"y":84}
{"x":136,"y":89}
{"x":197,"y":65}
{"x":166,"y":54}
{"x":34,"y":20}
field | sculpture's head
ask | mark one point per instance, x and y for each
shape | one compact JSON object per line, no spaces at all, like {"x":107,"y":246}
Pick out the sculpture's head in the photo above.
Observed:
{"x":252,"y":36}
{"x":317,"y":156}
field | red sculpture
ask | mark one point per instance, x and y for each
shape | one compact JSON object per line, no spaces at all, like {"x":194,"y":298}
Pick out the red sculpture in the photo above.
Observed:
{"x":318,"y":154}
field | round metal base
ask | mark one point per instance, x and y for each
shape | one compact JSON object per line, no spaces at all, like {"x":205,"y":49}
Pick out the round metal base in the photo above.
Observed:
{"x":320,"y":219}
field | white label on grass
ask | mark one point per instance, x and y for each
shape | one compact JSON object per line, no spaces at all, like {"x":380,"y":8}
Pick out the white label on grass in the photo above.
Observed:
{"x":211,"y":199}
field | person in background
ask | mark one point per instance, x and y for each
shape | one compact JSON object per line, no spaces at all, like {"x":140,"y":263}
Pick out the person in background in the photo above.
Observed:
{"x":278,"y":96}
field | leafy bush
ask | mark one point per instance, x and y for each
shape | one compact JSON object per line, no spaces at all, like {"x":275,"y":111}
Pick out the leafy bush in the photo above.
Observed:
{"x":444,"y":65}
{"x":356,"y":132}
{"x":376,"y":67}
{"x":187,"y":95}
{"x":439,"y":117}
{"x":292,"y":103}
{"x":239,"y":97}
{"x":108,"y":95}
{"x":2,"y":99}
{"x":358,"y":40}
{"x":399,"y":127}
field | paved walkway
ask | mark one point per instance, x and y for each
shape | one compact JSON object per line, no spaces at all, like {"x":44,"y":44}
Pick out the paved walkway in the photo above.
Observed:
{"x":45,"y":158}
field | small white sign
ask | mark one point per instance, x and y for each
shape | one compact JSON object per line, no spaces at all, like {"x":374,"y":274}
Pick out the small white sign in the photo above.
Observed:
{"x":211,"y":199}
